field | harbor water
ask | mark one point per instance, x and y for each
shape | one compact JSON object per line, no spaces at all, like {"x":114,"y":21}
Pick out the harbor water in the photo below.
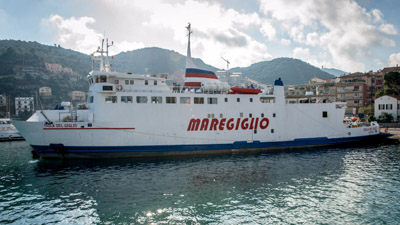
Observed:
{"x":357,"y":185}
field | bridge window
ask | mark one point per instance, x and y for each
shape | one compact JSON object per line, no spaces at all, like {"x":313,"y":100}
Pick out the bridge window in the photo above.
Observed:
{"x":141,"y":99}
{"x":198,"y":100}
{"x":91,"y":99}
{"x":126,"y":99}
{"x":126,"y":81}
{"x":131,"y":82}
{"x":212,"y":100}
{"x":170,"y":100}
{"x":185,"y":100}
{"x":111,"y":99}
{"x":226,"y":99}
{"x":103,"y":79}
{"x":156,"y":99}
{"x":155,"y":82}
{"x":146,"y":82}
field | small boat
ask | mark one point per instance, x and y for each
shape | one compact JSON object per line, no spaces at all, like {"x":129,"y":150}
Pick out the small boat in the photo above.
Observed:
{"x":239,"y":90}
{"x":8,"y":132}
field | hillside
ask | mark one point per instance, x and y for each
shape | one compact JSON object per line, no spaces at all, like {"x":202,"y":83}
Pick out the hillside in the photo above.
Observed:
{"x":334,"y":72}
{"x":24,"y":68}
{"x":291,"y":71}
{"x":154,"y":61}
{"x":32,"y":54}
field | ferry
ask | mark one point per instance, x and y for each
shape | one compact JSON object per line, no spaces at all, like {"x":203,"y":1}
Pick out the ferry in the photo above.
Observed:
{"x":130,"y":115}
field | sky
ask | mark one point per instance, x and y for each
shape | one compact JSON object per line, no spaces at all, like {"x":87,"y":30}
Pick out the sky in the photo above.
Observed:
{"x":350,"y":35}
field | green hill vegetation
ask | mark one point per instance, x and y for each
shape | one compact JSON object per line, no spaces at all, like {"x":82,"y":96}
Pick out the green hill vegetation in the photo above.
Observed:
{"x":154,"y":61}
{"x":392,"y":85}
{"x":334,"y":72}
{"x":291,"y":71}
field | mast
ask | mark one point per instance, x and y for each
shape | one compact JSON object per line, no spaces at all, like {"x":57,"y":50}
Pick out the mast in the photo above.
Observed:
{"x":104,"y":64}
{"x":189,"y":62}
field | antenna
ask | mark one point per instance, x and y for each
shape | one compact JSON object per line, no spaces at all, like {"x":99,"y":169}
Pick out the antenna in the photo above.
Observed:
{"x":190,"y":31}
{"x":227,"y":63}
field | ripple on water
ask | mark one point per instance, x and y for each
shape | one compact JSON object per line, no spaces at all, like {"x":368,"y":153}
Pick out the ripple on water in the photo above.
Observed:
{"x":329,"y":186}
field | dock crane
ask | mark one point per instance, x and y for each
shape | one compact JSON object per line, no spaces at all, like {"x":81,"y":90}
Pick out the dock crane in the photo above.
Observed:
{"x":227,"y":63}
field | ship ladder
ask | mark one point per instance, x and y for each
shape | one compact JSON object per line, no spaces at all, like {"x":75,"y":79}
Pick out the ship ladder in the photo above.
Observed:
{"x":74,"y":115}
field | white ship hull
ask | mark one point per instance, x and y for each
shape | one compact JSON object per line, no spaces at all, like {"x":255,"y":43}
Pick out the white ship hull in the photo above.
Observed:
{"x":135,"y":115}
{"x":168,"y":130}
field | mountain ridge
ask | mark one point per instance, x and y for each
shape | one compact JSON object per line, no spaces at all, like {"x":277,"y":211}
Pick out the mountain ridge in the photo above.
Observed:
{"x":149,"y":60}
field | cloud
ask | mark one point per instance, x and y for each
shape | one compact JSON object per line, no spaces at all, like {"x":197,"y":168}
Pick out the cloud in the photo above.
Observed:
{"x":3,"y":17}
{"x":394,"y":59}
{"x":217,"y":31}
{"x":379,"y":63}
{"x":312,"y":39}
{"x":268,"y":30}
{"x":125,"y":46}
{"x":301,"y":53}
{"x":75,"y":33}
{"x":342,"y":28}
{"x":285,"y":42}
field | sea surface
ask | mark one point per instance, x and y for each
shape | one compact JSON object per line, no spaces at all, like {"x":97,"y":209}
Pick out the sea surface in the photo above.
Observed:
{"x":358,"y":185}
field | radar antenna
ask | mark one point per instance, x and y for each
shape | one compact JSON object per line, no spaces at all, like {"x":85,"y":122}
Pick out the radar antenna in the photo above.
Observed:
{"x":104,"y":66}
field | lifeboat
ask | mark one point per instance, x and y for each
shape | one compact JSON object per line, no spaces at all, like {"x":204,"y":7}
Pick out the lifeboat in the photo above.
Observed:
{"x":239,"y":90}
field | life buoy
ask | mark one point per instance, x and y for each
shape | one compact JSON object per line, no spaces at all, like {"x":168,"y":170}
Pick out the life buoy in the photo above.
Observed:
{"x":119,"y":87}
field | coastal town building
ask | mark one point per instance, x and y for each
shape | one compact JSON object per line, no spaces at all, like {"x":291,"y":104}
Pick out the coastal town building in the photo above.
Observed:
{"x":45,"y":91}
{"x":387,"y":105}
{"x":23,"y":104}
{"x":32,"y":70}
{"x":57,"y":68}
{"x":318,"y":90}
{"x":356,"y":89}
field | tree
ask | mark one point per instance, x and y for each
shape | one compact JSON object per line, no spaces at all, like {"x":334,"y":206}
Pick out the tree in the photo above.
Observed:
{"x":368,"y":110}
{"x":392,"y":81}
{"x":392,"y":85}
{"x":386,"y":117}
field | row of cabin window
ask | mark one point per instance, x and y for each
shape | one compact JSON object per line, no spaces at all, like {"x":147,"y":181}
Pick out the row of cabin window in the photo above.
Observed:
{"x":212,"y":115}
{"x":171,"y":100}
{"x":132,"y":82}
{"x":157,"y":100}
{"x":103,"y":79}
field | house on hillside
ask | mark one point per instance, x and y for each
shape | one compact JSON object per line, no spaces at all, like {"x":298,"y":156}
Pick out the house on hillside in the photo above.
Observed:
{"x":45,"y":91}
{"x":23,"y":104}
{"x":387,"y":104}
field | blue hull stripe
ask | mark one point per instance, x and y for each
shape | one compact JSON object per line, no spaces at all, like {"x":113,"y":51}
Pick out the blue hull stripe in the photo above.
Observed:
{"x":92,"y":150}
